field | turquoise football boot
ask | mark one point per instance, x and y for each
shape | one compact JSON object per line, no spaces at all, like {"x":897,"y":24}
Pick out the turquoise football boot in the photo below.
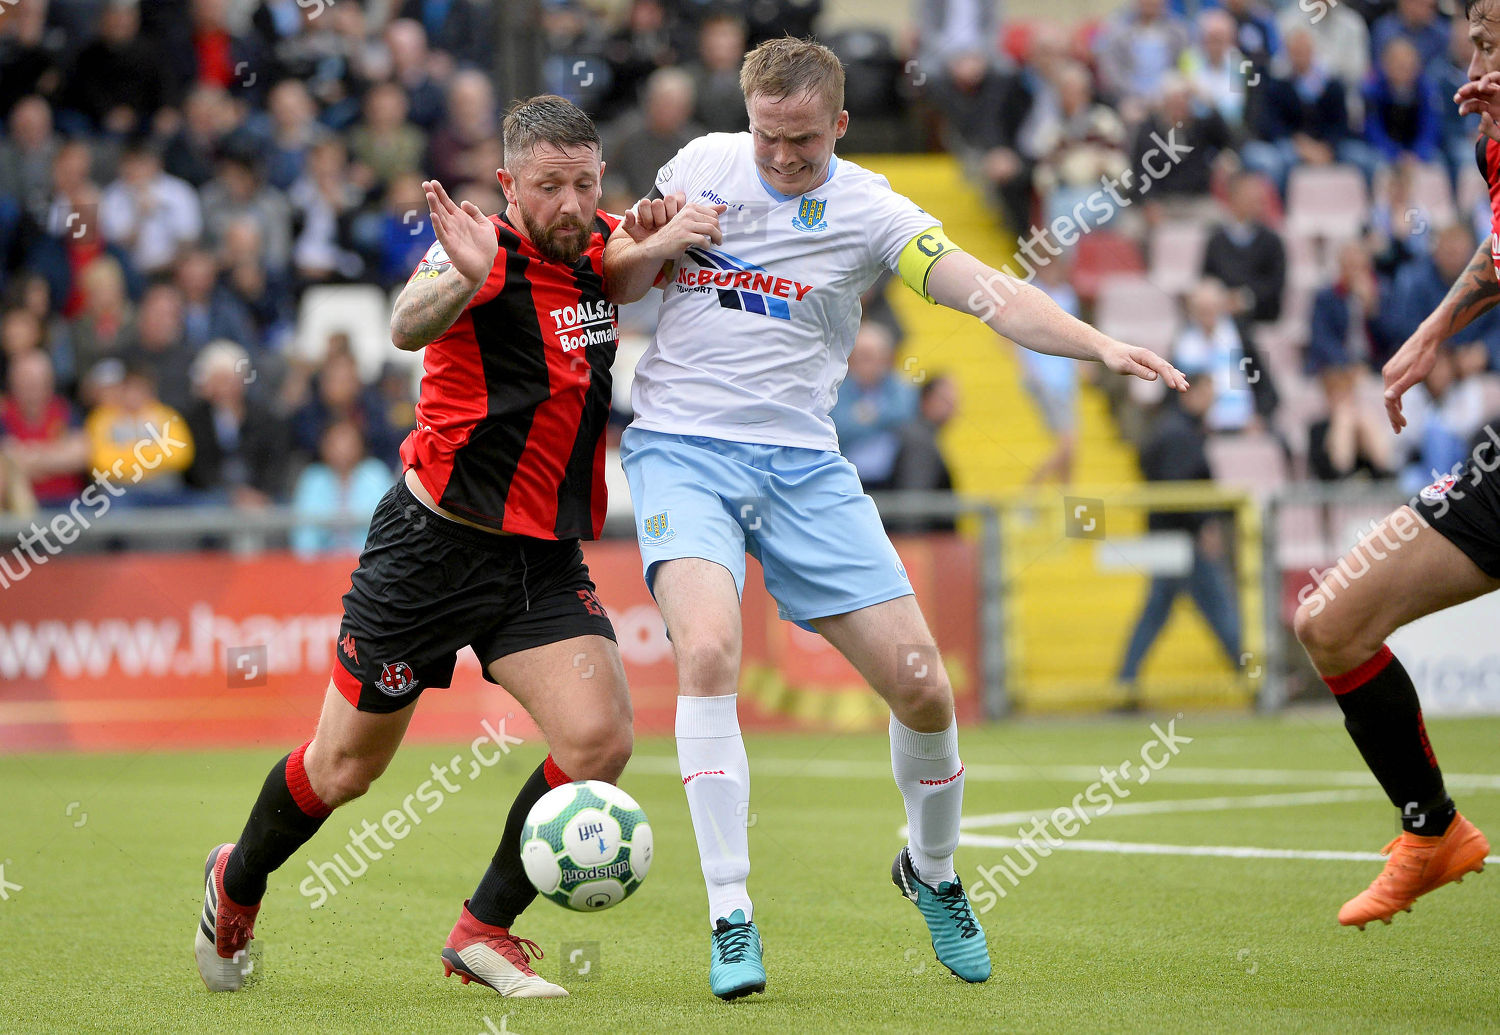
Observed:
{"x":957,"y":937}
{"x":734,"y":967}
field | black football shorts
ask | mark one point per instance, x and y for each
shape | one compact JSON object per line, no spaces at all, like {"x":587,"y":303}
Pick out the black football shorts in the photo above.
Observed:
{"x":1465,"y":509}
{"x":427,"y":586}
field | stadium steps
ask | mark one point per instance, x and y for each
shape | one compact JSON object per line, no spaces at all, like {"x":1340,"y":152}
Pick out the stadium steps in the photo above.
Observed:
{"x":1068,"y":623}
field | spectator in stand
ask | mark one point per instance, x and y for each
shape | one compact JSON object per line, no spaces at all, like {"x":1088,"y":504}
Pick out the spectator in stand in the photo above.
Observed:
{"x":648,"y":141}
{"x":1352,"y":439}
{"x":339,"y":395}
{"x":294,"y":129}
{"x":241,"y":447}
{"x":1341,"y":40}
{"x":1302,"y":117}
{"x":1181,"y":183}
{"x":458,"y":148}
{"x":1136,"y":51}
{"x":343,"y":482}
{"x":325,"y":202}
{"x":1418,"y":23}
{"x":984,"y":108}
{"x":1246,"y":255}
{"x":106,"y":325}
{"x":1210,"y":342}
{"x":411,"y":68}
{"x":1255,"y":31}
{"x":1402,"y":112}
{"x":873,"y":403}
{"x":216,"y":56}
{"x":151,"y":215}
{"x":395,"y":238}
{"x":20,"y":332}
{"x":144,"y":443}
{"x":644,"y":43}
{"x":384,"y":142}
{"x":463,"y":28}
{"x":209,"y":309}
{"x":1178,"y":451}
{"x":1448,"y":73}
{"x":26,"y":157}
{"x":1215,"y":68}
{"x":944,"y":29}
{"x":208,"y":118}
{"x":158,"y":349}
{"x":40,"y":433}
{"x":572,"y":44}
{"x":266,"y":295}
{"x":1352,"y":318}
{"x":118,"y":81}
{"x":29,"y":54}
{"x":1422,"y":283}
{"x":719,"y":104}
{"x":1052,"y":381}
{"x":239,"y":191}
{"x":1399,"y":226}
{"x":1083,"y":143}
{"x":920,"y":465}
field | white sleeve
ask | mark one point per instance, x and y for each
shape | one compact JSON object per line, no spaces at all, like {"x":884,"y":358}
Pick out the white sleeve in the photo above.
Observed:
{"x":894,"y":220}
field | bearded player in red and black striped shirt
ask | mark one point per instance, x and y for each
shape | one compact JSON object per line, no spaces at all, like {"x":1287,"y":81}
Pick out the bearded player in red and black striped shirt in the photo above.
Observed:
{"x":476,"y":545}
{"x":1441,"y":550}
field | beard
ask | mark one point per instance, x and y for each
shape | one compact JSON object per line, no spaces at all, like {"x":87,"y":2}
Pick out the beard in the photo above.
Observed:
{"x":559,"y":247}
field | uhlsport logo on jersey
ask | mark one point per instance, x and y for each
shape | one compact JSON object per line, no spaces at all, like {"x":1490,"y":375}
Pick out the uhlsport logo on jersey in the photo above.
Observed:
{"x":809,"y":215}
{"x":657,"y":529}
{"x":396,"y":678}
{"x":741,"y":285}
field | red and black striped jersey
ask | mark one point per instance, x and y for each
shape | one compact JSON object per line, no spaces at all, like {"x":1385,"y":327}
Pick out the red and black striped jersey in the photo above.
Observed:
{"x":515,"y":394}
{"x":1487,"y":154}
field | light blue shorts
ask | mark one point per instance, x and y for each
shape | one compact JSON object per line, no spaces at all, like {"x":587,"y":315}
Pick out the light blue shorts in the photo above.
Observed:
{"x":800,"y":512}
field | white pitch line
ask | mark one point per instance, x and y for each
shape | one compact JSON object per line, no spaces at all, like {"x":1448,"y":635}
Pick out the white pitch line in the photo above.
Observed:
{"x":985,"y":772}
{"x":1219,"y":804}
{"x":1217,"y":851}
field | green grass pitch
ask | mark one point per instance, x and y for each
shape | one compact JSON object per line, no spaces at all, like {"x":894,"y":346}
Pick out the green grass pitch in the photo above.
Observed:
{"x":103,"y":855}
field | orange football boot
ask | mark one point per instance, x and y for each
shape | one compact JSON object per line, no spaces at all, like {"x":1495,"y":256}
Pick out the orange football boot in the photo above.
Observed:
{"x":1416,"y":866}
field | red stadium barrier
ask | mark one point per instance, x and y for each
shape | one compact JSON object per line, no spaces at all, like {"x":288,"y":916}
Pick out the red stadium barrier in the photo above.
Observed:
{"x":135,"y":651}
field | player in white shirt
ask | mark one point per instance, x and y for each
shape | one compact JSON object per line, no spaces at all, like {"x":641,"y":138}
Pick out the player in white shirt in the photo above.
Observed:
{"x":762,"y":243}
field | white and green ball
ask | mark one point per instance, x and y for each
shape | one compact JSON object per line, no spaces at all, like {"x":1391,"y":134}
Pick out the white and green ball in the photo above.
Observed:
{"x":586,"y":845}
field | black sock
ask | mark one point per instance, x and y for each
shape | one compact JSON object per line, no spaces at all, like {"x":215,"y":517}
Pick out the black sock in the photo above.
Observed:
{"x":285,"y":816}
{"x":504,"y":890}
{"x":1383,"y":715}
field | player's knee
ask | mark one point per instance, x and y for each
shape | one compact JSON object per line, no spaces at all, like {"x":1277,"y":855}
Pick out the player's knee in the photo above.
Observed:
{"x":707,"y":664}
{"x":598,"y":752}
{"x":1317,"y":628}
{"x":341,"y":779}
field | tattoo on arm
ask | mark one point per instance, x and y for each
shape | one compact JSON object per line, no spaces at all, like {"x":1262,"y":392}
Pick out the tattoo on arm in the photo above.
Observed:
{"x":428,"y":306}
{"x":1475,"y":292}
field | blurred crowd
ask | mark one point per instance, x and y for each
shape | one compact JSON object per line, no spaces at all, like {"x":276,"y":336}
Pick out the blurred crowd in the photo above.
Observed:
{"x":178,"y":179}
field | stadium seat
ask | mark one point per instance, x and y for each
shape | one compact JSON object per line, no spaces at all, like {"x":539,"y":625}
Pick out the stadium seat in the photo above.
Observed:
{"x":362,"y":311}
{"x":1101,"y":254}
{"x":1253,"y":461}
{"x":1133,"y":309}
{"x":1432,"y":195}
{"x":1328,"y":201}
{"x":1177,"y":255}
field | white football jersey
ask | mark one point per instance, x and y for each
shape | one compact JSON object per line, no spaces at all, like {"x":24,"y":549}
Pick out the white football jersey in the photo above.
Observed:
{"x":754,"y":334}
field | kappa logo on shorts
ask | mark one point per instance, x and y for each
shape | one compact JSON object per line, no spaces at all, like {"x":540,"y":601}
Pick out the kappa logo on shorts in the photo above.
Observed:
{"x":396,"y":679}
{"x":657,"y":529}
{"x":1438,"y":489}
{"x":350,"y":650}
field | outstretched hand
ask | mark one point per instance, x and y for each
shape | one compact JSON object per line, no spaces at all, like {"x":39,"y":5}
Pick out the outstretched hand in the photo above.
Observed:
{"x":464,"y":232}
{"x":1144,"y":364}
{"x":1412,"y":363}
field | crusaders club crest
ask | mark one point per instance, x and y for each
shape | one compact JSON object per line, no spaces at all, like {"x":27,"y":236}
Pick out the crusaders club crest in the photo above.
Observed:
{"x":396,"y":679}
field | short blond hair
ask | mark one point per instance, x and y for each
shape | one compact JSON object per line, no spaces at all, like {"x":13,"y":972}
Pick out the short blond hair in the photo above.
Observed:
{"x":788,"y":67}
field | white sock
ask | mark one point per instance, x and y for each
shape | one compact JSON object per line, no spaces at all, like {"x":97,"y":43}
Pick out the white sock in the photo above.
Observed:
{"x":931,"y":779}
{"x":716,"y":777}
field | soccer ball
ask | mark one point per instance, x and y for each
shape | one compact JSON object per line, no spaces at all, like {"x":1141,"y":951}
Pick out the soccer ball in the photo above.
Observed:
{"x":586,"y":845}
